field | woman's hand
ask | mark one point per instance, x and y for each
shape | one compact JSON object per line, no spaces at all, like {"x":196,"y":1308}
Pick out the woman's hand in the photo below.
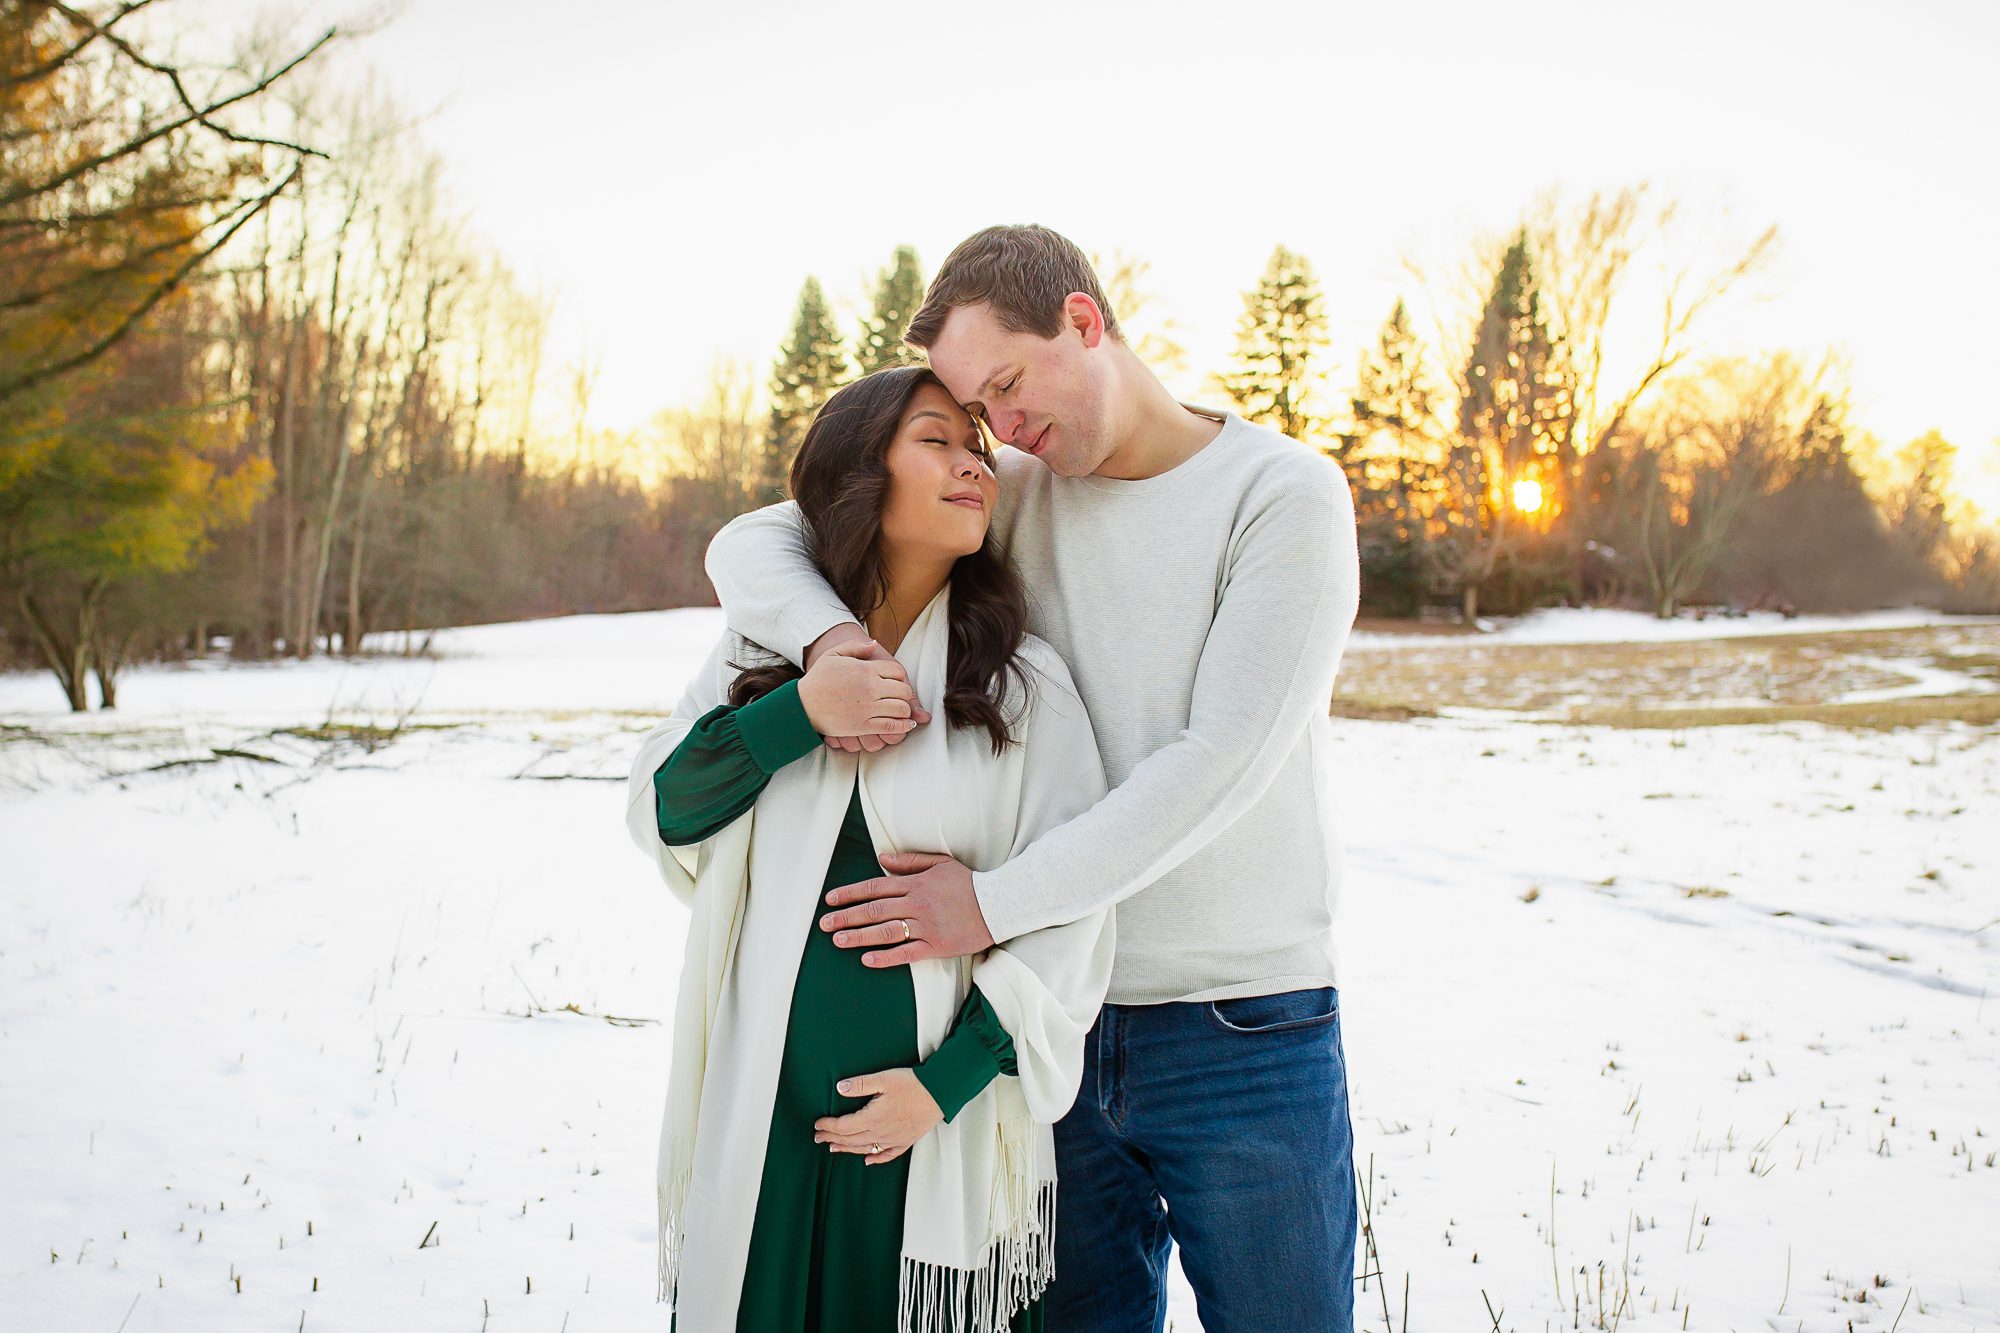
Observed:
{"x":900,"y":1113}
{"x":856,"y":689}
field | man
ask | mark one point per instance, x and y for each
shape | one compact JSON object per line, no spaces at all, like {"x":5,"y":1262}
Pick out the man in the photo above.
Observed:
{"x":1198,"y":573}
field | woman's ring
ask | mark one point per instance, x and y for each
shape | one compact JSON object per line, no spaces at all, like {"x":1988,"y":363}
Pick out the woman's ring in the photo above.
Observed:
{"x":874,"y":1149}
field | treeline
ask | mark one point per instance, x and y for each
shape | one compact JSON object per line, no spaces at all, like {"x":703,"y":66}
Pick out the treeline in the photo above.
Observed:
{"x":262,"y":389}
{"x":1533,"y":450}
{"x":1513,"y":462}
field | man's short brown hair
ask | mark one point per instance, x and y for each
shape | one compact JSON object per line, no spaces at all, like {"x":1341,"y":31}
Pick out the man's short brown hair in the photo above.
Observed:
{"x":1023,"y":272}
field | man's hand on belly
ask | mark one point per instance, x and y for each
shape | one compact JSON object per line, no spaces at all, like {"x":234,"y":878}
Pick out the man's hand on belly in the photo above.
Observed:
{"x":932,"y":893}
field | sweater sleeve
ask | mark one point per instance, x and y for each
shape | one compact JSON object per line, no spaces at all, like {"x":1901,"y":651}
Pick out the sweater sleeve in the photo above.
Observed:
{"x":725,"y":762}
{"x":771,"y":592}
{"x":975,"y":1051}
{"x":1287,"y":601}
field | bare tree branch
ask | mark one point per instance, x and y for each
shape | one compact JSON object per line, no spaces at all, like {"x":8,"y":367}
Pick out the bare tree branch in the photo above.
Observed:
{"x":77,"y":170}
{"x":94,"y":31}
{"x":249,"y":209}
{"x":202,"y":115}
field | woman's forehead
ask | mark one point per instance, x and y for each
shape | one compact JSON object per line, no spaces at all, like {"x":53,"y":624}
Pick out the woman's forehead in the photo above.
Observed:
{"x":932,"y":403}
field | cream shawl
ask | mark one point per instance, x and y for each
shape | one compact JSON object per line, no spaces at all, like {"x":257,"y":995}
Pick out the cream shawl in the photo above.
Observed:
{"x":978,"y":1224}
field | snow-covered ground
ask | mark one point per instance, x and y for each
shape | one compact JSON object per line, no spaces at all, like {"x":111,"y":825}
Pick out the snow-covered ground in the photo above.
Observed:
{"x":1557,"y":624}
{"x":355,"y":1031}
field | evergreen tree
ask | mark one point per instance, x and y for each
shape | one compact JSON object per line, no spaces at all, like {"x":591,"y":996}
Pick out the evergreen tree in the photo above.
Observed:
{"x":1280,"y":348}
{"x":1822,"y":445}
{"x":1513,"y":417}
{"x":1817,"y":540}
{"x":899,"y":290}
{"x":1391,"y":460}
{"x":1391,"y":449}
{"x":811,"y":365}
{"x":1919,"y":511}
{"x":1513,"y":401}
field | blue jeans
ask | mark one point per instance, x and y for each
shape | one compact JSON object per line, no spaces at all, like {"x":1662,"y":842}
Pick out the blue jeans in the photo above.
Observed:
{"x":1222,"y":1127}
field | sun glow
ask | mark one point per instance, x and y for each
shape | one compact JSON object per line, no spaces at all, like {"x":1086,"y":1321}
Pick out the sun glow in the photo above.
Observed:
{"x":1527,"y":495}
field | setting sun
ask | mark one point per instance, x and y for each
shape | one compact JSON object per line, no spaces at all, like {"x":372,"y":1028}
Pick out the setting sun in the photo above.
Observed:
{"x":1527,"y":495}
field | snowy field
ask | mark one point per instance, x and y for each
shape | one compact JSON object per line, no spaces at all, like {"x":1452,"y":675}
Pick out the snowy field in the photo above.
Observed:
{"x":332,"y":997}
{"x":1603,"y":625}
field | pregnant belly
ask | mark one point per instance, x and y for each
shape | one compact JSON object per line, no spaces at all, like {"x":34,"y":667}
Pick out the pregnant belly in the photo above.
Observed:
{"x":846,"y":1019}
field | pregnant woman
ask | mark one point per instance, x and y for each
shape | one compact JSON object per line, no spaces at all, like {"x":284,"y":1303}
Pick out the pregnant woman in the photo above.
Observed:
{"x":851,"y":1148}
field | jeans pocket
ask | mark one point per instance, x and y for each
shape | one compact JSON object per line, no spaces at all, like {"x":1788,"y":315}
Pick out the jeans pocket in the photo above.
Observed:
{"x":1287,"y":1011}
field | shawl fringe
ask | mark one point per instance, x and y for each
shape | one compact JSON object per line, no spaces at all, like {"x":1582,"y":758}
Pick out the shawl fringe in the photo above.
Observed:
{"x":934,"y":1299}
{"x":1020,"y":1259}
{"x":673,"y":1189}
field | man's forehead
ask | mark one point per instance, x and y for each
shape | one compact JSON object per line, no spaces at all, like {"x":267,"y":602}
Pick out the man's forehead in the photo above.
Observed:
{"x":970,"y":355}
{"x":970,"y":333}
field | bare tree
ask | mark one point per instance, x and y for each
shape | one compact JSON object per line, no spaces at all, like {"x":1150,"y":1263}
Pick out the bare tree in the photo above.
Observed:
{"x":1680,"y":475}
{"x":1153,"y":335}
{"x":1588,"y":251}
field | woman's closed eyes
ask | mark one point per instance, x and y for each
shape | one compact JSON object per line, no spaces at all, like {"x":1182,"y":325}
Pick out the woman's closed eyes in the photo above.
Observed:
{"x":977,"y":450}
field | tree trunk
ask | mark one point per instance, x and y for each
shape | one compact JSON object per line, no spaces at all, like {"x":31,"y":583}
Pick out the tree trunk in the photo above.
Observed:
{"x":1469,"y":604}
{"x":107,"y":657}
{"x":68,"y":656}
{"x":352,"y":645}
{"x":288,"y":480}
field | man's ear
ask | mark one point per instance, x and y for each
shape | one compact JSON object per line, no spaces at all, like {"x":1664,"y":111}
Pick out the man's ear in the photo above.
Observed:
{"x":1081,"y":316}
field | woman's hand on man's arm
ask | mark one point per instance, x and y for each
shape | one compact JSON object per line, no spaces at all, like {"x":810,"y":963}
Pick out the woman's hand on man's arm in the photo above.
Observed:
{"x":772,"y":594}
{"x":856,"y":693}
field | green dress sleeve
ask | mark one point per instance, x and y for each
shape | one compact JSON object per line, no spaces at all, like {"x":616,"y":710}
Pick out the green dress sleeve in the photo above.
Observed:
{"x":973,"y":1054}
{"x":719,"y":768}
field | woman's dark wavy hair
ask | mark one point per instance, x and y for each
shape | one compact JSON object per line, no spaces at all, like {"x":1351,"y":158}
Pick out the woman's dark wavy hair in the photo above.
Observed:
{"x":841,"y":482}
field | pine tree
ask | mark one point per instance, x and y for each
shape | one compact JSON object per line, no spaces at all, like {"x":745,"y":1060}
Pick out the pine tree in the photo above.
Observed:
{"x":1919,"y":511}
{"x":1280,"y":348}
{"x":811,"y":365}
{"x":1822,"y":444}
{"x":1505,"y":466}
{"x":899,"y":290}
{"x":1391,"y":459}
{"x":1391,"y":448}
{"x":1513,"y":400}
{"x":1817,"y":541}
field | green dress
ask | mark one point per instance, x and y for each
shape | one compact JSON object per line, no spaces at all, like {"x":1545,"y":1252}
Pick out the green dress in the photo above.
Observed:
{"x":826,"y":1243}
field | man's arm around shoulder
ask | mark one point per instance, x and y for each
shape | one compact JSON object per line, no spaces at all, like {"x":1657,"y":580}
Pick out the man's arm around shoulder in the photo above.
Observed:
{"x":770,"y":590}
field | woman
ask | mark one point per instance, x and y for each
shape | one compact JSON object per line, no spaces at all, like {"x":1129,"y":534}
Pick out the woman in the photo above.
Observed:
{"x":895,"y":1120}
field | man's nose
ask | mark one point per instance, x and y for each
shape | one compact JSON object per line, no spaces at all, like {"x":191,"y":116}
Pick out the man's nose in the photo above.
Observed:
{"x":1010,"y":426}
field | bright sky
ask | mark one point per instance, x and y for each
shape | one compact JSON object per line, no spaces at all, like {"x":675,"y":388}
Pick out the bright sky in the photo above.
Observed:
{"x":674,"y":171}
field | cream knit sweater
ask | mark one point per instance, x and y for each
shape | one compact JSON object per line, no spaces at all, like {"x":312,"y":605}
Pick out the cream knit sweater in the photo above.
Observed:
{"x":1202,"y":613}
